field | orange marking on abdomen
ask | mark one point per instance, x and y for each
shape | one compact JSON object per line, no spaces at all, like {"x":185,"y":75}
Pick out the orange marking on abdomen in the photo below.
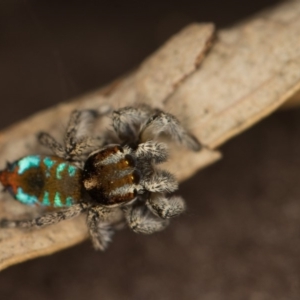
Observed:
{"x":10,"y":179}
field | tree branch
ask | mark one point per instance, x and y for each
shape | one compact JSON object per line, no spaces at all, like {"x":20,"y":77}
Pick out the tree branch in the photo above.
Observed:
{"x":252,"y":69}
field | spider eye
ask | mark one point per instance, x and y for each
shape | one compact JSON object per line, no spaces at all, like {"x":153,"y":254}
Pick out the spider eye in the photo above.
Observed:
{"x":136,"y":177}
{"x":129,"y":161}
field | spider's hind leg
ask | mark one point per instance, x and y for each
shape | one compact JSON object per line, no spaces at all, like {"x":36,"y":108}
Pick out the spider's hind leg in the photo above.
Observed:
{"x":77,"y":141}
{"x":48,"y":141}
{"x":77,"y":138}
{"x":45,"y":220}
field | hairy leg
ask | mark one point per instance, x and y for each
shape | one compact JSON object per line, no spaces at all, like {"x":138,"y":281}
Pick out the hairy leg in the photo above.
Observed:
{"x":161,"y":181}
{"x":77,"y":141}
{"x":45,"y":220}
{"x":125,"y":121}
{"x":152,"y":152}
{"x":141,"y":220}
{"x":100,"y":232}
{"x":167,"y":123}
{"x":166,"y":208}
{"x":48,"y":141}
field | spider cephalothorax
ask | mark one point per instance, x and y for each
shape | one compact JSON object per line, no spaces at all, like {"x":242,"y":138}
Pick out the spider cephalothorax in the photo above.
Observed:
{"x":90,"y":174}
{"x":110,"y":176}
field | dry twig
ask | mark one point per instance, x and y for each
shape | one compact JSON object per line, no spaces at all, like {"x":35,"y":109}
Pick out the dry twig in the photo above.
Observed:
{"x":252,"y":69}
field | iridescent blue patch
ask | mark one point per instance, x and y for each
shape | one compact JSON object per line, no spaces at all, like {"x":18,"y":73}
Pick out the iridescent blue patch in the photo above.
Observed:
{"x":31,"y":161}
{"x":69,"y":201}
{"x":59,"y":169}
{"x":57,"y":200}
{"x":46,"y":201}
{"x":25,"y":198}
{"x":48,"y":163}
{"x":71,"y":170}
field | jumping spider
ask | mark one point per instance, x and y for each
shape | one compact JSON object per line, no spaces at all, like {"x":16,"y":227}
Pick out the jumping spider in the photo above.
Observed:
{"x":81,"y":179}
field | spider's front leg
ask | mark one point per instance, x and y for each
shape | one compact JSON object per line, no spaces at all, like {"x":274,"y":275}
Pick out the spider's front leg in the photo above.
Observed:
{"x":141,"y":220}
{"x":45,"y":220}
{"x":127,"y":118}
{"x":160,"y":182}
{"x":152,"y":152}
{"x":165,"y":208}
{"x":100,"y":231}
{"x":167,"y":123}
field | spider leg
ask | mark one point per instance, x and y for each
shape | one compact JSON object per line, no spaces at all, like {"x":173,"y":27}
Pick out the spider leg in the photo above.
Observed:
{"x":45,"y":220}
{"x":151,"y":151}
{"x":100,"y":232}
{"x":48,"y":141}
{"x":167,"y":123}
{"x":141,"y":220}
{"x":165,"y":208}
{"x":127,"y":119}
{"x":161,"y":181}
{"x":77,"y":141}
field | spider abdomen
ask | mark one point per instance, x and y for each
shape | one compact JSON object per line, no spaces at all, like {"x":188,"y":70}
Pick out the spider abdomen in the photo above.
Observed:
{"x":48,"y":181}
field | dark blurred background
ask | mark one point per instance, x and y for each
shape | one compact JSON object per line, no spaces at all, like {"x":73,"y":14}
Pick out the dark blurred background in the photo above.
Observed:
{"x":240,"y":238}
